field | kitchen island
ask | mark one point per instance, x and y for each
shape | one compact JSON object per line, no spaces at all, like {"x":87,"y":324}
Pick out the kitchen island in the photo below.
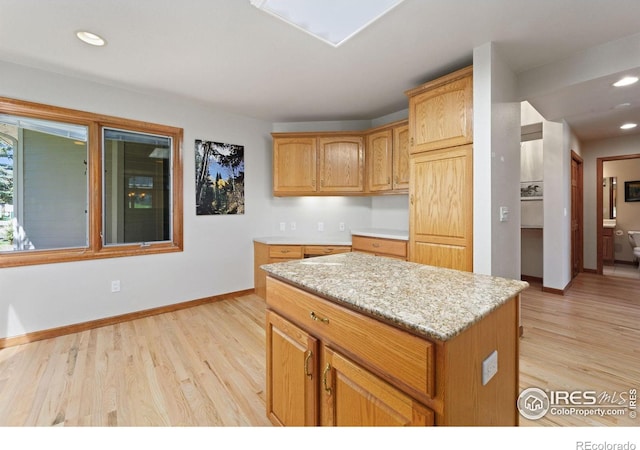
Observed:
{"x":355,"y":339}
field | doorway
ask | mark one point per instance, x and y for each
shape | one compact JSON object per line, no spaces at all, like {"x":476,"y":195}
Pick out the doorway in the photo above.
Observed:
{"x":603,"y":238}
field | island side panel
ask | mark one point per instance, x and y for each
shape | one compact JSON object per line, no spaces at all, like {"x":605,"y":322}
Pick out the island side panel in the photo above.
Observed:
{"x":459,"y":381}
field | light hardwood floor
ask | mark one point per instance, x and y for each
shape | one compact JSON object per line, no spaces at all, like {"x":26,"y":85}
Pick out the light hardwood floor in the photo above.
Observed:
{"x":204,"y":366}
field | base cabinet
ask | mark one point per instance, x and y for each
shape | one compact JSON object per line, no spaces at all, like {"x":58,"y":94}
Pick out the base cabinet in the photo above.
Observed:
{"x":352,"y":396}
{"x":330,"y":365}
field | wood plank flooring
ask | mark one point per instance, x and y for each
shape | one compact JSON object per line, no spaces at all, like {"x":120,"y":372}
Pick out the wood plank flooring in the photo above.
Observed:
{"x":205,"y":366}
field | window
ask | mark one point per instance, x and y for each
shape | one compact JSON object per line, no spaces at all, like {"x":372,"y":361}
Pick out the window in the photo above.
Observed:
{"x":75,"y":185}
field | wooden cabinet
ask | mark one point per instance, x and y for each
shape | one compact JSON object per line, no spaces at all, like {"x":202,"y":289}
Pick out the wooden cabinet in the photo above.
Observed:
{"x":336,"y":163}
{"x":441,"y":208}
{"x":294,"y":165}
{"x":379,"y":158}
{"x":441,"y":112}
{"x":401,"y":158}
{"x":441,"y":172}
{"x":353,"y":396}
{"x":317,"y":164}
{"x":608,"y":256}
{"x":392,"y":248}
{"x":330,"y":365}
{"x":274,"y":253}
{"x":387,"y":159}
{"x":341,"y":164}
{"x":293,"y":364}
{"x":349,"y":393}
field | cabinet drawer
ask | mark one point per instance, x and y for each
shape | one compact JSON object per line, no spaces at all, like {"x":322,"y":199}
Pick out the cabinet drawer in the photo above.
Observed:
{"x":285,"y":251}
{"x":400,"y":358}
{"x":319,"y":250}
{"x":379,"y":246}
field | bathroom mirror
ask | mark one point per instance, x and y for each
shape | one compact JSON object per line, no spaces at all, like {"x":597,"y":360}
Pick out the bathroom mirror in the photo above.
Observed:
{"x":609,"y":197}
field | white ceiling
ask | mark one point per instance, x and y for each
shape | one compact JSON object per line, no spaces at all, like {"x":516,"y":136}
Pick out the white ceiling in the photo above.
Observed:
{"x":234,"y":56}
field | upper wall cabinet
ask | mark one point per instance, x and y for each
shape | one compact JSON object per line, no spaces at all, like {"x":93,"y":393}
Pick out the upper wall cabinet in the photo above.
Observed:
{"x":341,"y":166}
{"x":317,"y":164}
{"x":294,"y":165}
{"x":441,"y":112}
{"x":387,"y":159}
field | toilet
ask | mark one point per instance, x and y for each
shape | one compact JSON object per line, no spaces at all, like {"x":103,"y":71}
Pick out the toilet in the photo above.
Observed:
{"x":634,"y":241}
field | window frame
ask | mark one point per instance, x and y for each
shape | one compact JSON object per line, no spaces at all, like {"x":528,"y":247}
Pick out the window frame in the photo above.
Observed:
{"x":95,"y":248}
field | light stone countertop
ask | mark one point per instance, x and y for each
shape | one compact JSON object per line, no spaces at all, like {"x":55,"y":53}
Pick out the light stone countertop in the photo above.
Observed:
{"x":384,"y":233}
{"x":304,"y":240}
{"x":430,"y":301}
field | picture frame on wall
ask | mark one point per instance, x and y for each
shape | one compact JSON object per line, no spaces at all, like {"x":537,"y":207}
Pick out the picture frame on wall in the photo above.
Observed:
{"x":632,"y":191}
{"x":531,"y":190}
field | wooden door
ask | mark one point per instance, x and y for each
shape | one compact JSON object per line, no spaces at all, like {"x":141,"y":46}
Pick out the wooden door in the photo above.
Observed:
{"x":292,"y":363}
{"x":294,"y":165}
{"x":401,"y":157}
{"x":341,"y":164}
{"x":441,"y":208}
{"x":577,"y":258}
{"x":379,"y":157}
{"x":353,"y":396}
{"x":441,"y":112}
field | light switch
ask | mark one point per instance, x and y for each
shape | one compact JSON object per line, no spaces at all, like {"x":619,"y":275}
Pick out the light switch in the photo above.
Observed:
{"x":504,"y":214}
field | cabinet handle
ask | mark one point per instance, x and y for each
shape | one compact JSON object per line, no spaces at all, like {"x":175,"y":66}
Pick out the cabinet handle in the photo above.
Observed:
{"x":375,"y":245}
{"x":306,"y":364}
{"x":284,"y":251}
{"x":411,"y":200}
{"x":317,"y":318}
{"x":326,"y":386}
{"x":412,"y":142}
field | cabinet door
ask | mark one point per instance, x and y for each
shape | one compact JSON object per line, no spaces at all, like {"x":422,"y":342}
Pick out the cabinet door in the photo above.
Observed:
{"x":294,"y":165}
{"x":341,"y":164}
{"x":401,"y":157}
{"x":292,"y":362}
{"x":353,"y":396}
{"x":442,"y":117}
{"x":441,"y":208}
{"x":379,"y":161}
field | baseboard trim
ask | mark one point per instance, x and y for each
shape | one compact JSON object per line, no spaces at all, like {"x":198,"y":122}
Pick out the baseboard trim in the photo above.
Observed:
{"x":590,"y":271}
{"x":531,"y":279}
{"x":84,"y":326}
{"x":557,"y":291}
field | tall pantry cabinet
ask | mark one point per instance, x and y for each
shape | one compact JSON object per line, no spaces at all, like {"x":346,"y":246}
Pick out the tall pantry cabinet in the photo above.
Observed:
{"x":441,"y":171}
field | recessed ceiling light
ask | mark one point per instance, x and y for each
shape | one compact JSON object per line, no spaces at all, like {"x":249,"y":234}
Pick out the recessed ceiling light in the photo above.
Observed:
{"x":626,"y":81}
{"x":333,"y":21}
{"x":628,"y":126}
{"x":90,"y":38}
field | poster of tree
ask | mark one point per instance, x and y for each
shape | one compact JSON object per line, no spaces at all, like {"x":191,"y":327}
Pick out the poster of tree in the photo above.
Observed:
{"x":219,"y":178}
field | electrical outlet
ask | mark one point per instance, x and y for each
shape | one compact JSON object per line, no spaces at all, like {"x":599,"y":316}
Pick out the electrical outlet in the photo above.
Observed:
{"x":320,"y":226}
{"x":341,"y":226}
{"x":293,"y":226}
{"x":283,"y":226}
{"x":115,"y":286}
{"x":489,"y":367}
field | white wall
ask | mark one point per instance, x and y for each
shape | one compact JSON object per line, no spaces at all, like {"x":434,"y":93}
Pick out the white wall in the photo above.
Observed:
{"x":496,"y":165}
{"x":624,"y":145}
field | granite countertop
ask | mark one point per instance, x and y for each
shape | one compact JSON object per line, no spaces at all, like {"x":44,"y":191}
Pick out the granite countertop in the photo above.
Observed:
{"x":434,"y":302}
{"x":384,"y":233}
{"x":341,"y":239}
{"x":304,"y":240}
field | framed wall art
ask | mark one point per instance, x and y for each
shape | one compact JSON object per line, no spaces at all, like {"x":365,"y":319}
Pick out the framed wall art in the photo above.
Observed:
{"x":219,"y":178}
